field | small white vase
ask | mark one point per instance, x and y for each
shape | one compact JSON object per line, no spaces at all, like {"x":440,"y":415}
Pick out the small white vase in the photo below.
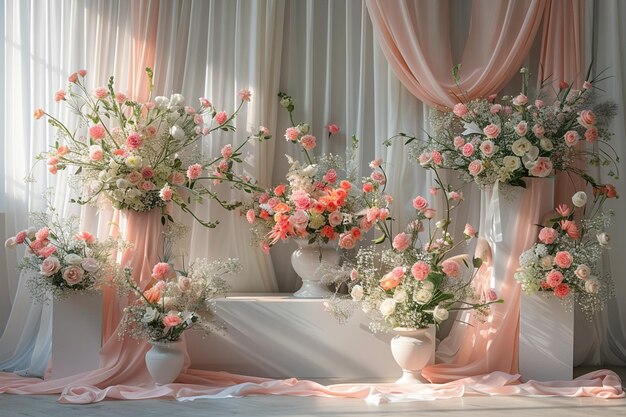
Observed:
{"x":413,"y":349}
{"x":165,"y":361}
{"x":306,"y":261}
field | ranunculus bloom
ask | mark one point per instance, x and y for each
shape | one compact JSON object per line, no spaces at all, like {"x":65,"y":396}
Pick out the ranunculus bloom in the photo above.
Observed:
{"x":133,"y":141}
{"x":221,"y":117}
{"x":420,"y":203}
{"x":401,"y":242}
{"x":587,"y":119}
{"x":97,"y":132}
{"x":73,"y":274}
{"x":245,"y":95}
{"x":308,"y":142}
{"x":161,"y":271}
{"x":554,"y":278}
{"x":450,"y":268}
{"x":492,"y":131}
{"x":563,"y":259}
{"x":561,"y":290}
{"x":171,"y":320}
{"x":42,"y":234}
{"x":460,"y":109}
{"x":332,"y":129}
{"x":87,"y":237}
{"x":347,"y":241}
{"x":547,"y":235}
{"x":194,"y":171}
{"x":420,"y":270}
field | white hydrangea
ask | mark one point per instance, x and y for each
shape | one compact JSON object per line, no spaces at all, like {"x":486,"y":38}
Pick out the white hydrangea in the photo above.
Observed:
{"x":541,"y":250}
{"x":528,"y":258}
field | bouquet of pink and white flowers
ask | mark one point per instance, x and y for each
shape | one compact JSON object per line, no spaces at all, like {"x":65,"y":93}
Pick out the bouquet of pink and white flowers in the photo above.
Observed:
{"x":61,"y":261}
{"x":176,"y":301}
{"x":143,"y":155}
{"x":415,"y":283}
{"x":565,"y":261}
{"x":519,"y":137}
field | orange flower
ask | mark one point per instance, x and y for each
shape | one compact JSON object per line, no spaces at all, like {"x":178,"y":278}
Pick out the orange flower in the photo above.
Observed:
{"x":38,"y":113}
{"x":153,"y":295}
{"x":571,"y":229}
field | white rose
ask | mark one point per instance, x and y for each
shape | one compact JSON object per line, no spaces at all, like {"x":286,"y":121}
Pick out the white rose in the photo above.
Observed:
{"x":133,"y":193}
{"x":583,"y":271}
{"x":440,"y":314}
{"x":357,"y":293}
{"x":49,"y":266}
{"x":546,"y":262}
{"x":177,"y":100}
{"x":90,"y":264}
{"x":177,"y":132}
{"x":73,"y":259}
{"x":150,"y":315}
{"x":512,"y":163}
{"x":309,"y":170}
{"x":422,"y":296}
{"x":427,"y":285}
{"x":161,"y":102}
{"x":533,"y":153}
{"x":400,"y":295}
{"x":387,"y":307}
{"x":579,"y":199}
{"x":592,"y":286}
{"x":31,"y":231}
{"x":10,"y":243}
{"x":604,"y":239}
{"x":122,"y":183}
{"x":546,"y":144}
{"x":521,"y":146}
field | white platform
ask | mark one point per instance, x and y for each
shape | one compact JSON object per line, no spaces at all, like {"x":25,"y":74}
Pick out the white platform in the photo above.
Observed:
{"x":76,"y":334}
{"x":546,"y":342}
{"x":282,"y":336}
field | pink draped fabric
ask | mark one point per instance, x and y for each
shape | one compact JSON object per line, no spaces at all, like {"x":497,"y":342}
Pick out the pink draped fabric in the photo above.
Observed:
{"x":414,"y":37}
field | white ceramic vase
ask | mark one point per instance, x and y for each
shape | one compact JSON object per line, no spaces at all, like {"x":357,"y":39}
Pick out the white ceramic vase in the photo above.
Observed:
{"x":165,"y":361}
{"x":413,"y":349}
{"x":306,"y":261}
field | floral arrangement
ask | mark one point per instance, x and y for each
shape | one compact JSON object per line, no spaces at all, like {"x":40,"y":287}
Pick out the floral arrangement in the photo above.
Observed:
{"x":61,"y":261}
{"x":143,"y":155}
{"x":490,"y":141}
{"x":314,"y":204}
{"x":414,"y":283}
{"x":565,"y":261}
{"x":175,"y":301}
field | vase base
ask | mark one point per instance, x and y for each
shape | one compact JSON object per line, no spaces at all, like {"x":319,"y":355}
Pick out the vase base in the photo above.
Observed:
{"x":313,"y":289}
{"x":411,"y":378}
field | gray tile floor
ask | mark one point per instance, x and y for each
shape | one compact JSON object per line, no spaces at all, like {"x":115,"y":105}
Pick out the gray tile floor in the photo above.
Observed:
{"x":45,"y":405}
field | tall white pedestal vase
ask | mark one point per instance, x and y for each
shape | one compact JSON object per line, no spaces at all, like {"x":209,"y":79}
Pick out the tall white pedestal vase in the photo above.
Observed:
{"x":164,"y":361}
{"x":76,"y":334}
{"x":413,"y":349}
{"x":306,"y":261}
{"x":546,"y":343}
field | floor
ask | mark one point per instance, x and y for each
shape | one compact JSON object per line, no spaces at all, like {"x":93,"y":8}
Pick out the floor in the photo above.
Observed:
{"x":44,"y":405}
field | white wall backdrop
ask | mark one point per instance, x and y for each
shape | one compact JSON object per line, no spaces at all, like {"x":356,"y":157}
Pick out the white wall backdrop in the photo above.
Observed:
{"x":322,"y":52}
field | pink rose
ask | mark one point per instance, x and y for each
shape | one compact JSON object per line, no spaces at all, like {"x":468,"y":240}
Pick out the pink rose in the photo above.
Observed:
{"x":171,"y":320}
{"x":520,"y":100}
{"x":194,"y":171}
{"x":420,"y":270}
{"x":450,"y":268}
{"x":278,"y":191}
{"x":539,"y":104}
{"x":425,"y":158}
{"x":53,"y":169}
{"x":292,"y":134}
{"x":521,"y":128}
{"x":347,"y":241}
{"x":147,"y":172}
{"x":562,"y":290}
{"x":430,"y":213}
{"x":198,"y":119}
{"x":460,"y":110}
{"x":147,"y":186}
{"x":467,"y":150}
{"x":134,"y":177}
{"x":96,"y":153}
{"x":420,"y":203}
{"x":541,"y":168}
{"x":308,"y":142}
{"x":335,"y":218}
{"x":495,"y":109}
{"x":87,"y":237}
{"x":133,"y":141}
{"x":53,"y":160}
{"x":166,"y":193}
{"x":221,"y":117}
{"x":227,"y":151}
{"x":469,"y":230}
{"x":487,"y":148}
{"x":437,"y":158}
{"x":90,"y":264}
{"x":59,"y":96}
{"x":204,"y":102}
{"x":368,"y":187}
{"x":49,"y":266}
{"x":587,"y":119}
{"x":401,"y":242}
{"x":539,"y":130}
{"x":73,"y":274}
{"x":491,"y":295}
{"x":563,"y":259}
{"x":455,"y":196}
{"x":458,"y":142}
{"x":101,"y":93}
{"x":161,"y":271}
{"x":376,"y":163}
{"x":97,"y":132}
{"x":547,"y":235}
{"x":330,"y":176}
{"x":475,"y":167}
{"x":554,"y":278}
{"x":379,"y":177}
{"x":245,"y":95}
{"x":332,"y":129}
{"x":177,"y":178}
{"x":571,"y":138}
{"x":492,"y":131}
{"x":250,"y":216}
{"x":508,"y":110}
{"x":20,"y":237}
{"x":591,"y":134}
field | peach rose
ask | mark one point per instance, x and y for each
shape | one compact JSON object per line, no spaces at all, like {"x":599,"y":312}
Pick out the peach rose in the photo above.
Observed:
{"x":561,"y":290}
{"x":308,"y":142}
{"x":49,"y":266}
{"x":554,"y":278}
{"x":347,"y":240}
{"x":460,"y":110}
{"x":587,"y":119}
{"x":520,"y":100}
{"x":475,"y":167}
{"x":487,"y":148}
{"x":389,"y":281}
{"x":492,"y":131}
{"x":591,"y":134}
{"x":563,"y":259}
{"x":172,"y":319}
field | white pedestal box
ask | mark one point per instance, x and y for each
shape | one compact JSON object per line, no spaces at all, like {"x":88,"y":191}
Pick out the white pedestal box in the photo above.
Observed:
{"x":546,"y":342}
{"x":280,"y":336}
{"x":76,"y":334}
